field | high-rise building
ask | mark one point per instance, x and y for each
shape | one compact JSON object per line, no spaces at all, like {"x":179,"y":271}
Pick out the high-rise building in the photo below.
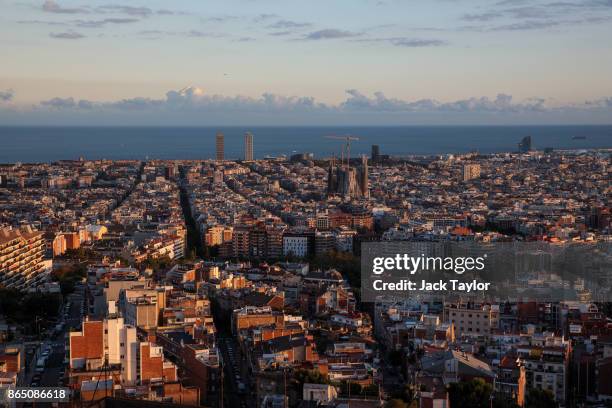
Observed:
{"x":220,"y":147}
{"x":375,"y":153}
{"x":364,"y":182}
{"x":21,"y":257}
{"x":470,"y":171}
{"x":248,"y":146}
{"x":525,"y":145}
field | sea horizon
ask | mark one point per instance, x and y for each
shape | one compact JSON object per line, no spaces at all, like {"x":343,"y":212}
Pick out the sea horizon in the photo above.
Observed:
{"x":52,"y":143}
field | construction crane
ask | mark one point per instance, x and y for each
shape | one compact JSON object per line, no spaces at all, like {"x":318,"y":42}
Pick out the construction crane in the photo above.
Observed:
{"x":348,"y":139}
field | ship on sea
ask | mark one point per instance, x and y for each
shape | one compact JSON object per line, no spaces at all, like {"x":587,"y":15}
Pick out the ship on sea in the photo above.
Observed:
{"x":579,"y":138}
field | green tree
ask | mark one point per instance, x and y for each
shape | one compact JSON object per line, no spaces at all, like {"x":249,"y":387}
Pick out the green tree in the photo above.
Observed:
{"x":537,"y":398}
{"x":354,"y":388}
{"x":310,"y":376}
{"x":472,"y":394}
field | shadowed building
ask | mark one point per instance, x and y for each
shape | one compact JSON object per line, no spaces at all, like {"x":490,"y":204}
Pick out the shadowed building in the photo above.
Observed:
{"x":248,"y":146}
{"x":220,"y":146}
{"x":525,"y":145}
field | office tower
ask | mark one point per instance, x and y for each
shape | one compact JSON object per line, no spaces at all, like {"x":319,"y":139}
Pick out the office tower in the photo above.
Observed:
{"x":248,"y":146}
{"x":470,"y":171}
{"x":375,"y":153}
{"x":525,"y":145}
{"x":220,"y":145}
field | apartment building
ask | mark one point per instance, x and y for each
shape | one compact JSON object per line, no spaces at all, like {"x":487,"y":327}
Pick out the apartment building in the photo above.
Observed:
{"x":472,"y":320}
{"x":21,"y":257}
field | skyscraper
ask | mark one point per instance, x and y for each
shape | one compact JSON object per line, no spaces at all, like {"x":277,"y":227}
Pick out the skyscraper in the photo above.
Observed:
{"x":375,"y":153}
{"x":248,"y":146}
{"x":220,"y":144}
{"x":525,"y":145}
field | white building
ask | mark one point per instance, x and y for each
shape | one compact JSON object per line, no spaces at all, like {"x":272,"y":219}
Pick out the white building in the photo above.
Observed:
{"x":295,"y":245}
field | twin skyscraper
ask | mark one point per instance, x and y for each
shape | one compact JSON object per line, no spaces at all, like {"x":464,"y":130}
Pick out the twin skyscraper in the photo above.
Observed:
{"x":220,"y":146}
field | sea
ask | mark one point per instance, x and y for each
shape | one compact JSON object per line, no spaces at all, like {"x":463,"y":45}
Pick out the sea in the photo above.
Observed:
{"x":47,"y":144}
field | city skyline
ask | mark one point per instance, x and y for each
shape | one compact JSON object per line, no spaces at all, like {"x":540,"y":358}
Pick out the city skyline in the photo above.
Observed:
{"x":263,"y":62}
{"x":286,"y":204}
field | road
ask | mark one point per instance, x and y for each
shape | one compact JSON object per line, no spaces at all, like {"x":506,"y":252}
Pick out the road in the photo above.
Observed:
{"x":235,"y":371}
{"x":56,"y":344}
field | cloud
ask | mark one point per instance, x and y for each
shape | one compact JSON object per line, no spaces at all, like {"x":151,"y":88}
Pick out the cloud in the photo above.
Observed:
{"x":103,"y":22}
{"x":7,"y":96}
{"x":199,"y":34}
{"x":264,"y":17}
{"x":519,"y":15}
{"x":42,"y":22}
{"x":155,"y":34}
{"x":329,"y":34}
{"x":123,"y":9}
{"x":531,"y":12}
{"x":482,"y":16}
{"x":193,"y":106}
{"x":50,"y":6}
{"x":195,"y":99}
{"x":527,"y":25}
{"x":69,"y":35}
{"x":415,"y":42}
{"x":59,"y":103}
{"x":281,"y":33}
{"x":219,"y":19}
{"x":285,"y":24}
{"x":166,"y":12}
{"x":406,"y":42}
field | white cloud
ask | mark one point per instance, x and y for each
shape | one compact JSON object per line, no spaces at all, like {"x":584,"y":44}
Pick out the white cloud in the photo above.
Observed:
{"x":51,"y":6}
{"x":6,"y":96}
{"x":68,"y":35}
{"x":192,"y":105}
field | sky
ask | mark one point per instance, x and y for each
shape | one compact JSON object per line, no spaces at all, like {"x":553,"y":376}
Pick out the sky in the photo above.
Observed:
{"x":286,"y":62}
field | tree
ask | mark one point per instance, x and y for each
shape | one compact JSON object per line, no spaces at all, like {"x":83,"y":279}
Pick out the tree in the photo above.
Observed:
{"x":537,"y":398}
{"x":472,"y":394}
{"x":354,"y":388}
{"x":310,"y":377}
{"x":406,"y":394}
{"x":396,"y":403}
